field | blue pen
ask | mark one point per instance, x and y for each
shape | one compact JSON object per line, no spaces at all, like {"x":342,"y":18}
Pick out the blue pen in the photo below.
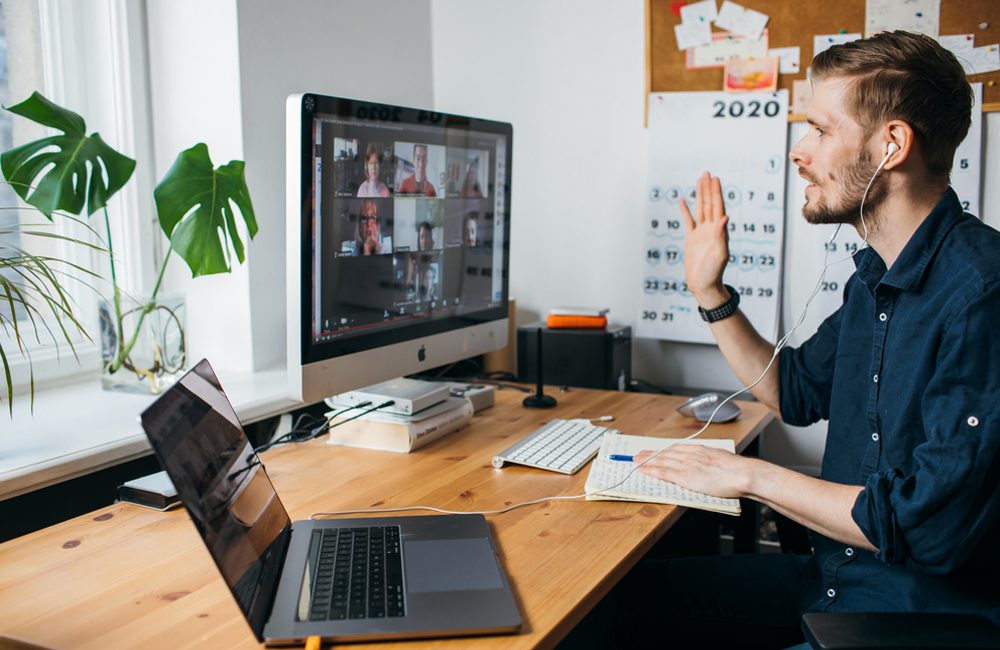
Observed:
{"x":621,"y":457}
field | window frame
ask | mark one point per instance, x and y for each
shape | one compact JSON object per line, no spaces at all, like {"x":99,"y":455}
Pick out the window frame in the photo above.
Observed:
{"x":94,"y":62}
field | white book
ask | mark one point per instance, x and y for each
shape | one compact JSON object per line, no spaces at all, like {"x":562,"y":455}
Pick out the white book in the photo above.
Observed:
{"x":399,"y":434}
{"x":612,"y":480}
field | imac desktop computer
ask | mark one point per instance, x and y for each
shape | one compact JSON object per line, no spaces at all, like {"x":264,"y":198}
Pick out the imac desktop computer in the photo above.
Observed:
{"x":397,"y":243}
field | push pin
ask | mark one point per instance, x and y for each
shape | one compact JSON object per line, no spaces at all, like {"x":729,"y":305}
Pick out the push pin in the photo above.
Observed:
{"x":983,"y":25}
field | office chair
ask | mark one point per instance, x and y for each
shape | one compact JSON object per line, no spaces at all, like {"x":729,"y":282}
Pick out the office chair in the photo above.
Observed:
{"x":899,"y":630}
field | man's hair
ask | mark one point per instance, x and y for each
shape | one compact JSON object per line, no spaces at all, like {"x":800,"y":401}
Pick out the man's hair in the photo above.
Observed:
{"x":909,"y":77}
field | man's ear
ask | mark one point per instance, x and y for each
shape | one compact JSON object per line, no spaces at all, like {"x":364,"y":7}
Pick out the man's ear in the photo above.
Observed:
{"x":900,"y":134}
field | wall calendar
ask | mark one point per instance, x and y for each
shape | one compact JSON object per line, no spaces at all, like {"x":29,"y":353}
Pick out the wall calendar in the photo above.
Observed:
{"x":741,"y":138}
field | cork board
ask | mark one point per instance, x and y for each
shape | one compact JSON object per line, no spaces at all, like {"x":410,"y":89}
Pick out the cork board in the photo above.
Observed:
{"x":795,"y":22}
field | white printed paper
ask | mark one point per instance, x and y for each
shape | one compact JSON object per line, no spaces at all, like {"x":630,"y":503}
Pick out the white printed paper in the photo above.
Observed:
{"x":980,"y":60}
{"x":966,"y":181}
{"x":957,"y":42}
{"x":823,"y":42}
{"x":922,"y":16}
{"x":724,"y":47}
{"x":692,"y":35}
{"x":699,"y":12}
{"x":966,"y":170}
{"x":729,"y":15}
{"x":788,"y":58}
{"x":740,"y":20}
{"x":742,"y":140}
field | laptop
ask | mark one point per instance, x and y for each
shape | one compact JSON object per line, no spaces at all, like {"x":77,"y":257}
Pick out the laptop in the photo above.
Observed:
{"x":339,"y":579}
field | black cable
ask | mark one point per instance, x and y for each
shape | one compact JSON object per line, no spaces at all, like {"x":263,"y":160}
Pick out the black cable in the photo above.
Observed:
{"x":660,"y":389}
{"x":306,"y":427}
{"x":362,"y":414}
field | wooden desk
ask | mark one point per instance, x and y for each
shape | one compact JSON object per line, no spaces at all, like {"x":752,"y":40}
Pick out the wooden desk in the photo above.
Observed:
{"x":125,"y":576}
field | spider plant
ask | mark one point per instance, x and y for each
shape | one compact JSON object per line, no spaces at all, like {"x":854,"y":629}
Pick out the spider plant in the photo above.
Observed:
{"x":31,"y":290}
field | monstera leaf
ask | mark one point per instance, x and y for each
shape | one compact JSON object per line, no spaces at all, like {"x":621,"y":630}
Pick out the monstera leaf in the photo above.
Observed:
{"x":75,"y":169}
{"x":194,"y":203}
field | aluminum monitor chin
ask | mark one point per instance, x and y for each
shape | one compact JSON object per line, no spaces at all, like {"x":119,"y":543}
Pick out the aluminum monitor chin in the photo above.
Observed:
{"x":397,"y":244}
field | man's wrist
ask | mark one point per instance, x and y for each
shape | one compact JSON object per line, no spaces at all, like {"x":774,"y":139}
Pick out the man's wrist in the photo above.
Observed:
{"x":711,"y":297}
{"x":722,"y":310}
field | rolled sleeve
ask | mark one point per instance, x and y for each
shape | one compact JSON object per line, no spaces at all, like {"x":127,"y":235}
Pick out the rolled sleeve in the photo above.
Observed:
{"x":932,"y":516}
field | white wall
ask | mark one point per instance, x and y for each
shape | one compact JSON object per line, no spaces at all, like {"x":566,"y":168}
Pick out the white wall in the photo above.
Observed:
{"x":220,"y":73}
{"x":377,"y":50}
{"x":571,"y":81}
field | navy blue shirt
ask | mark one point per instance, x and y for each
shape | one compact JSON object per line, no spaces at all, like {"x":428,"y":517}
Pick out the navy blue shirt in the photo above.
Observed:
{"x":907,"y":372}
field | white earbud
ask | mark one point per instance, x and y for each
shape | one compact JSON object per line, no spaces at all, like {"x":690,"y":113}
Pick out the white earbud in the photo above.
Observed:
{"x":891,"y":149}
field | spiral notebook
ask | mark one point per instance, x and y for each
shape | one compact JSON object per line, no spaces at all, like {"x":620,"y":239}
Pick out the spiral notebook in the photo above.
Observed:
{"x":606,"y":475}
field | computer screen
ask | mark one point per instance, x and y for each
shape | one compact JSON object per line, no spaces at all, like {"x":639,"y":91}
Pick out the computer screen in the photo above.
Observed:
{"x":399,"y":223}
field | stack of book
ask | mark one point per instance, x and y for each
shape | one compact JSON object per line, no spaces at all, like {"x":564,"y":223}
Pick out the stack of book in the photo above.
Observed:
{"x":577,"y":318}
{"x":396,"y":432}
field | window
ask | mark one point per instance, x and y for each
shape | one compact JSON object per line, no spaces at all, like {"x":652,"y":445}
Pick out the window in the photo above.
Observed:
{"x":82,"y":56}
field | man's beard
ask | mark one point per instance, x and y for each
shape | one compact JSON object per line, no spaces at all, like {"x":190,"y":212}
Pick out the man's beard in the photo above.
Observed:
{"x":847,"y":208}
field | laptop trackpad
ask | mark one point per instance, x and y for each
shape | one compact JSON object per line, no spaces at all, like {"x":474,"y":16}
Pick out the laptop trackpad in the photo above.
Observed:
{"x":450,"y":565}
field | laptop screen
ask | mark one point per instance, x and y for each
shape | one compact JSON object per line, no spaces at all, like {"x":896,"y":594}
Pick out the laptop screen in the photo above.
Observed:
{"x":200,"y":443}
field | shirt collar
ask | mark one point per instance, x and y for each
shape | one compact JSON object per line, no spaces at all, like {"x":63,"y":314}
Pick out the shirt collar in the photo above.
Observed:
{"x":911,"y":265}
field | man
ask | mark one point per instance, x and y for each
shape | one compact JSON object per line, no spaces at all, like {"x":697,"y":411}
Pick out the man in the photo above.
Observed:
{"x":417,"y":182}
{"x":470,"y":230}
{"x":906,"y":511}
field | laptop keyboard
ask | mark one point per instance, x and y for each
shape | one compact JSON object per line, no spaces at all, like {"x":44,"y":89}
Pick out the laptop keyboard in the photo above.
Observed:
{"x":359,"y":574}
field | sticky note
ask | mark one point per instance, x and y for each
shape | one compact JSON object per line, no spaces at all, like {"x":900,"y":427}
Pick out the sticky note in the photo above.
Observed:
{"x":958,"y":42}
{"x":740,"y":20}
{"x":692,"y":34}
{"x":703,"y":12}
{"x":788,"y":59}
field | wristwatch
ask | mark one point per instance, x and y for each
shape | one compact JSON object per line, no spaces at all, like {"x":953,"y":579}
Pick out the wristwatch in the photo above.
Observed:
{"x":724,"y":310}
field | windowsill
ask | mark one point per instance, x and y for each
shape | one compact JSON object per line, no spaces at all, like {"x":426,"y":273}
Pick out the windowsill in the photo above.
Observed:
{"x":79,"y":428}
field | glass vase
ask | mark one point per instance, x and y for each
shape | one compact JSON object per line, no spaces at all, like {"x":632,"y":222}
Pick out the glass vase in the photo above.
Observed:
{"x":146,"y":352}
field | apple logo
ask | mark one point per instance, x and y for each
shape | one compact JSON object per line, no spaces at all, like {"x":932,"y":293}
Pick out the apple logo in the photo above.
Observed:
{"x":421,"y":354}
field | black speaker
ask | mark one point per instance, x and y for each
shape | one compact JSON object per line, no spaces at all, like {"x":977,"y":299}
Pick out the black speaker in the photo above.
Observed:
{"x":586,"y":358}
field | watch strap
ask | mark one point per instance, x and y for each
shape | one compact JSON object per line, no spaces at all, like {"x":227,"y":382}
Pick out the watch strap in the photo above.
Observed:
{"x":725,"y":310}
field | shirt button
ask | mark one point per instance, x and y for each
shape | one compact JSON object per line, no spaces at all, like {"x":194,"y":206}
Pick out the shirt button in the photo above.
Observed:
{"x":882,"y":317}
{"x":849,"y":551}
{"x":875,"y":436}
{"x":973,"y":421}
{"x":875,"y":379}
{"x":831,"y":592}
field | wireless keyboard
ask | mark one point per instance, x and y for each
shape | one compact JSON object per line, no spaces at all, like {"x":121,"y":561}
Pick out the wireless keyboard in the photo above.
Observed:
{"x":562,"y":446}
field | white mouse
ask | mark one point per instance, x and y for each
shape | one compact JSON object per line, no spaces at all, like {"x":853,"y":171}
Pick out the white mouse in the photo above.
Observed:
{"x":702,"y":407}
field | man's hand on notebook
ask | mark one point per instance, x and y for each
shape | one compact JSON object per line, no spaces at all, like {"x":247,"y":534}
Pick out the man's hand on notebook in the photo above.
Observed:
{"x":703,"y":469}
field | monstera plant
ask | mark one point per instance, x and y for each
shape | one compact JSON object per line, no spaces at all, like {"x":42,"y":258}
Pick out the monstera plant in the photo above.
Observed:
{"x":196,"y":204}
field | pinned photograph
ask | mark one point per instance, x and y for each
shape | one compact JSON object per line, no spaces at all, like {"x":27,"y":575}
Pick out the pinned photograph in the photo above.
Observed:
{"x":744,"y":75}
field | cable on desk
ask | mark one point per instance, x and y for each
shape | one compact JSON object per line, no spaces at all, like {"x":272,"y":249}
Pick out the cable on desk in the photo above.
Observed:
{"x":306,"y":426}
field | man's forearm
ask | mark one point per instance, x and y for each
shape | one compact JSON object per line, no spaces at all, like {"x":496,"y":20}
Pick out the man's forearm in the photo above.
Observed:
{"x":820,"y":505}
{"x":747,"y":354}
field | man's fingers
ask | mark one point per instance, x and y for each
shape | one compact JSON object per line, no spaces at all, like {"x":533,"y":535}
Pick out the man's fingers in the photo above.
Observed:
{"x":718,"y":204}
{"x":705,"y":198}
{"x":689,"y":224}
